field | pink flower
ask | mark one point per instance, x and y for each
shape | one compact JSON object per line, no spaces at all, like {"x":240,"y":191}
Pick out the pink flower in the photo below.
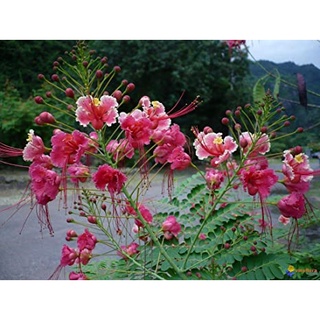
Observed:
{"x":214,"y":178}
{"x":234,"y":44}
{"x":120,"y":150}
{"x":296,"y":168}
{"x":110,"y":178}
{"x":171,"y":227}
{"x":78,"y":173}
{"x":97,"y":112}
{"x":156,"y":113}
{"x":292,"y":205}
{"x":212,"y":145}
{"x":34,"y":148}
{"x":171,"y":136}
{"x":68,"y":148}
{"x":86,"y":240}
{"x":130,"y":250}
{"x":282,"y":219}
{"x":45,"y":183}
{"x":146,"y":214}
{"x":254,"y":145}
{"x":68,"y":256}
{"x":178,"y":159}
{"x":77,"y":276}
{"x":137,"y":127}
{"x":258,"y":181}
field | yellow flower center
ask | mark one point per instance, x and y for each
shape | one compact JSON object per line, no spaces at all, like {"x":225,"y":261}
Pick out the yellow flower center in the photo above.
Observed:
{"x":218,"y":140}
{"x":96,"y":102}
{"x":291,"y":268}
{"x":299,"y":158}
{"x":155,"y":104}
{"x":30,"y":135}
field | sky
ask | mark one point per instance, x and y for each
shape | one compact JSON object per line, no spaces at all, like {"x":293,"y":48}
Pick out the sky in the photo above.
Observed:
{"x":300,"y":52}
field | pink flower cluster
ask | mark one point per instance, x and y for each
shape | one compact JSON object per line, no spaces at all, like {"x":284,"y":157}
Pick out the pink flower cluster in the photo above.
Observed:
{"x":255,"y":175}
{"x":81,"y":255}
{"x":297,"y":177}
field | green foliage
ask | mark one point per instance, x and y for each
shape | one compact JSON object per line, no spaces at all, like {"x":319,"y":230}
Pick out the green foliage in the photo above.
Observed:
{"x":233,"y":223}
{"x":17,"y":117}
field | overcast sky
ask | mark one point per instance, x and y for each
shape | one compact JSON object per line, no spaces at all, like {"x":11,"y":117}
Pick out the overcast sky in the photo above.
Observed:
{"x":298,"y":51}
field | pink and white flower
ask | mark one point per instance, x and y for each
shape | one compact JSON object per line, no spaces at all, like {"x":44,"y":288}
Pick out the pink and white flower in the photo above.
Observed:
{"x":35,"y":147}
{"x":212,"y":144}
{"x":97,"y":112}
{"x":253,"y":144}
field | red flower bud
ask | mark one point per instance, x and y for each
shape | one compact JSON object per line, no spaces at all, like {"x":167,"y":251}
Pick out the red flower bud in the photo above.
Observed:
{"x":117,"y":94}
{"x":85,"y":63}
{"x":104,"y":60}
{"x":92,"y":219}
{"x":38,"y":100}
{"x":126,"y":99}
{"x":48,"y":94}
{"x":300,"y":130}
{"x":46,"y":117}
{"x":130,"y":87}
{"x":55,"y":77}
{"x":40,"y":76}
{"x":69,"y":93}
{"x":117,"y":69}
{"x":225,"y":121}
{"x":99,"y":74}
{"x":264,"y":129}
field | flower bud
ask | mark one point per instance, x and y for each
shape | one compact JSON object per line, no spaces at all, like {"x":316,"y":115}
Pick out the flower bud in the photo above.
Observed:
{"x":207,"y":130}
{"x":55,"y":77}
{"x":69,"y":93}
{"x":225,"y":121}
{"x":117,"y":94}
{"x":99,"y":74}
{"x":228,"y":113}
{"x":237,"y":126}
{"x":48,"y":94}
{"x":130,"y":87}
{"x":85,"y":63}
{"x":264,"y":129}
{"x":46,"y":117}
{"x":237,"y":113}
{"x":300,"y":130}
{"x":40,"y":76}
{"x":117,"y":69}
{"x":104,"y":60}
{"x":124,"y":82}
{"x":71,"y":233}
{"x":286,"y":123}
{"x":38,"y":100}
{"x":92,"y":219}
{"x":126,"y":99}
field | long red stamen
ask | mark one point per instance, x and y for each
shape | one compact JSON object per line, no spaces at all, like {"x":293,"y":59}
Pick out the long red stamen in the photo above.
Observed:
{"x":185,"y":110}
{"x":7,"y":151}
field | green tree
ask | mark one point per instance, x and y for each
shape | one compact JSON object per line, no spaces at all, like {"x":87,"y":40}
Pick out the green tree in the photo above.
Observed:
{"x":163,"y":70}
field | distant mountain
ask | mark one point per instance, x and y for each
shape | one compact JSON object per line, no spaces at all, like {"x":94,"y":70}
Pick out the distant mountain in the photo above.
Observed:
{"x":288,"y":71}
{"x":308,"y":118}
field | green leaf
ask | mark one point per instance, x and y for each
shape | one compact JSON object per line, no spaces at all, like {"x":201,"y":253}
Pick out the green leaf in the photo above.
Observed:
{"x":277,"y":83}
{"x":258,"y":89}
